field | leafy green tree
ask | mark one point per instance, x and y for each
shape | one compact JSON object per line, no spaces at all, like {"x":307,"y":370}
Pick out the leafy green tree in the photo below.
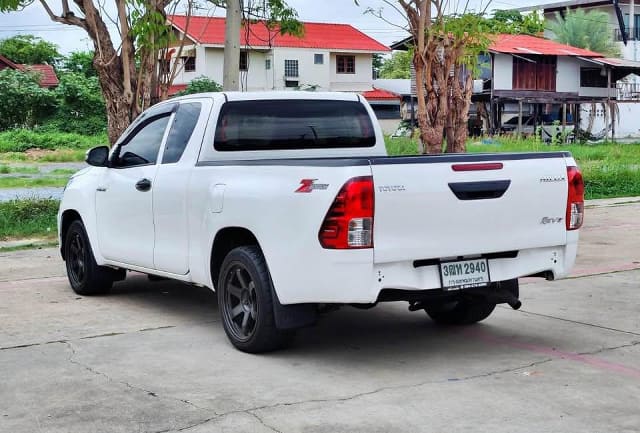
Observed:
{"x":80,"y":62}
{"x":127,"y":59}
{"x":29,"y":49}
{"x":376,"y":63}
{"x":513,"y":22}
{"x":81,"y":108}
{"x":200,"y":84}
{"x":24,"y":102}
{"x":588,"y":29}
{"x":397,"y":66}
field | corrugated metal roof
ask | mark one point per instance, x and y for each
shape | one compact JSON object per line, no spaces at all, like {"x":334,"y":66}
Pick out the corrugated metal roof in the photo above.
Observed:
{"x":210,"y":31}
{"x":525,"y":44}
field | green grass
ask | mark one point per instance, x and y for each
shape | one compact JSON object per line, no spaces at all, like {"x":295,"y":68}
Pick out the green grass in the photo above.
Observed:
{"x":19,"y":140}
{"x":58,"y":155}
{"x":609,"y":169}
{"x":28,"y":218}
{"x":21,"y":145}
{"x":7,"y":169}
{"x":29,"y":182}
{"x":30,"y":246}
{"x":62,"y":172}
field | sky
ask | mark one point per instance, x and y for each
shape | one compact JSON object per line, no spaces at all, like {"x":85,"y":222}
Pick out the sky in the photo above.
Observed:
{"x":33,"y":19}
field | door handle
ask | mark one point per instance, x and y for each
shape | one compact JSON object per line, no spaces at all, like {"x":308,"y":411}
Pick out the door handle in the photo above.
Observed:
{"x":143,"y":185}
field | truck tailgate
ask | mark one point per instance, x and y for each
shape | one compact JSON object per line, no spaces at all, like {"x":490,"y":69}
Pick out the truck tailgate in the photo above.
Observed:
{"x":426,"y":209}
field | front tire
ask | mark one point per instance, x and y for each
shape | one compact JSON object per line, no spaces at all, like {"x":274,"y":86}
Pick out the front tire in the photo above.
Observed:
{"x":246,"y":302}
{"x":84,"y":274}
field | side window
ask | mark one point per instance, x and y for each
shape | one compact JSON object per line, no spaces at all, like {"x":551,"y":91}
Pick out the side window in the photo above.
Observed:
{"x":143,"y":147}
{"x":180,"y":133}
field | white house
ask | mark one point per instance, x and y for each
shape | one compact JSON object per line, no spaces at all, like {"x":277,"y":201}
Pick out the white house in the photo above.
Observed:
{"x":628,"y":8}
{"x":335,"y":57}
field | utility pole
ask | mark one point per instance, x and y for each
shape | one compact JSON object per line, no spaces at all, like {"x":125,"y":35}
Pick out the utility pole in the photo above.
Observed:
{"x":231,"y":73}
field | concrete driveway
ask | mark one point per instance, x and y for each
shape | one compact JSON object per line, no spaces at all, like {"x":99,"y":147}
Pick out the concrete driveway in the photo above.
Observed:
{"x":152,"y":357}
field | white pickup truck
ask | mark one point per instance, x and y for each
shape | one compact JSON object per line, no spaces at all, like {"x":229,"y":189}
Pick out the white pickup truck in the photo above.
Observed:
{"x":286,"y":203}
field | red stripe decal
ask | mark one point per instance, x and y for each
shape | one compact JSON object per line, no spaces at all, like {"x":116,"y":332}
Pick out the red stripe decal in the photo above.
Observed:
{"x":478,"y":167}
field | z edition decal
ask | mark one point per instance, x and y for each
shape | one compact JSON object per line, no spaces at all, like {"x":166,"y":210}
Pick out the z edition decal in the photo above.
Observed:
{"x":308,"y":185}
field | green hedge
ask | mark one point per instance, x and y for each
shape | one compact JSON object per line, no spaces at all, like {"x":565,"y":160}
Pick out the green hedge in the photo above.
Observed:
{"x":19,"y":140}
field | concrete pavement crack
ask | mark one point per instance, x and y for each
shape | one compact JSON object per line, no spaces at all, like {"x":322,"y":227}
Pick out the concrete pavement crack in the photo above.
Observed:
{"x":109,"y":334}
{"x":610,"y":349}
{"x":252,"y":410}
{"x":154,"y":394}
{"x":255,"y":415}
{"x":576,"y":322}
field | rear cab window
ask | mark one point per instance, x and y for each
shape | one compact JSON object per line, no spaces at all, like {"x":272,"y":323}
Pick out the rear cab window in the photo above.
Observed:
{"x":293,"y":124}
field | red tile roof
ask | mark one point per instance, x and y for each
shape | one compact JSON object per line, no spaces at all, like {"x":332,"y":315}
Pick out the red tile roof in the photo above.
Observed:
{"x":379,"y":94}
{"x":48,"y":77}
{"x":210,"y":31}
{"x":524,"y":44}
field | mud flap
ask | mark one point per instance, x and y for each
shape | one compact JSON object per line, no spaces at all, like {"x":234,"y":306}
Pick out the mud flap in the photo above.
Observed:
{"x":293,"y":316}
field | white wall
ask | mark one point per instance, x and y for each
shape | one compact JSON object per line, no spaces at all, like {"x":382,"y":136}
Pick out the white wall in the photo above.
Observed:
{"x":309,"y":74}
{"x":213,"y":64}
{"x":627,"y":125}
{"x":209,"y":62}
{"x":568,"y":75}
{"x":503,"y":72}
{"x":361,"y":81}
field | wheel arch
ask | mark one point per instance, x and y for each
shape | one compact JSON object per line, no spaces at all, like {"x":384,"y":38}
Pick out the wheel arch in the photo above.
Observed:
{"x":67,"y":217}
{"x":227,"y":239}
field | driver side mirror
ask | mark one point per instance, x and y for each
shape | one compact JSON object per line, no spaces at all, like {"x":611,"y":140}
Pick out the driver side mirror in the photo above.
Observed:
{"x":98,"y":156}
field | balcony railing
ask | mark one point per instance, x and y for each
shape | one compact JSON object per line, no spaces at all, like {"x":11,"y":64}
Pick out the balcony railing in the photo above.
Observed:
{"x":628,"y":91}
{"x":633,"y":36}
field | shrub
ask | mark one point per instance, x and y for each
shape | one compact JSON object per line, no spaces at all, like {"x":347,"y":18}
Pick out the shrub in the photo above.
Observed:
{"x":200,"y":85}
{"x":24,"y":102}
{"x":19,"y":140}
{"x":21,"y":218}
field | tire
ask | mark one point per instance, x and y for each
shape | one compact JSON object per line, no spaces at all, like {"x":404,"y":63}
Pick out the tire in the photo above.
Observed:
{"x":245,"y":301}
{"x":84,"y":274}
{"x":462,"y":312}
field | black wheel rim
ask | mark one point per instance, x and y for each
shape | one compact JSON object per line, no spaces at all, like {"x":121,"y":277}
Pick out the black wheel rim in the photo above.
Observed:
{"x":76,"y":259}
{"x":240,"y":307}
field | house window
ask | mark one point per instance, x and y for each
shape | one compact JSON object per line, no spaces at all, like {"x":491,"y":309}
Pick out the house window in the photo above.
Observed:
{"x":636,"y":25}
{"x":291,"y":68}
{"x":346,"y":64}
{"x":534,"y":73}
{"x":592,"y":77}
{"x":267,"y":64}
{"x":244,"y":61}
{"x":318,"y":59}
{"x":189,"y":64}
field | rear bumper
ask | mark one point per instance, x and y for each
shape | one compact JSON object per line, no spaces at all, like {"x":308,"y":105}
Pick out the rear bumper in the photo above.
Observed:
{"x":362,"y":282}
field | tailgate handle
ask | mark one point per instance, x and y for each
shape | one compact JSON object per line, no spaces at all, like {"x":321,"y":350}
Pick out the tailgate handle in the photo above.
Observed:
{"x":480,"y":190}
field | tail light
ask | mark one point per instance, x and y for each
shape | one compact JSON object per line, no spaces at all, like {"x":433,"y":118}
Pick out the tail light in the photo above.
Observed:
{"x":575,"y":199}
{"x":349,"y":221}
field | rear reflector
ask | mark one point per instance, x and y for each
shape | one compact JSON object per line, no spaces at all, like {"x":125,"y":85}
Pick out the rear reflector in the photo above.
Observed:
{"x":478,"y":167}
{"x":349,"y":221}
{"x":575,"y":199}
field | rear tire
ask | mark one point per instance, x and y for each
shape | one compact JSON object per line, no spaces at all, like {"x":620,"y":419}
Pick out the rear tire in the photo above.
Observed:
{"x":462,"y":312}
{"x":84,"y":274}
{"x":245,"y":301}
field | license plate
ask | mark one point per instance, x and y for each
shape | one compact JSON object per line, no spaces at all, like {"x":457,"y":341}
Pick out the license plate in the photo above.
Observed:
{"x":464,"y":274}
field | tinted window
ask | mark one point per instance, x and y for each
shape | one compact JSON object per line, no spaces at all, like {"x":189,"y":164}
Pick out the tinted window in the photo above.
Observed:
{"x":293,"y":124}
{"x":144,"y":146}
{"x":184,"y":122}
